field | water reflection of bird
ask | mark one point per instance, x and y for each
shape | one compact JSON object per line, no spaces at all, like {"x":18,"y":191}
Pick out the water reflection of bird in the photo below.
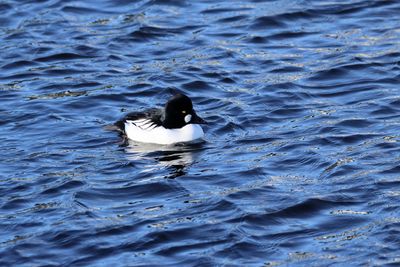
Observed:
{"x":176,"y":157}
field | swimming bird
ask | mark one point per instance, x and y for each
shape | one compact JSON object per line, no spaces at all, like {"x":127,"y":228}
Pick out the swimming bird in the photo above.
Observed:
{"x":175,"y":123}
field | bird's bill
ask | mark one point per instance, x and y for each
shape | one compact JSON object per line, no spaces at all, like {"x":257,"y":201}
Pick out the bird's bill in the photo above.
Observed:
{"x":197,"y":120}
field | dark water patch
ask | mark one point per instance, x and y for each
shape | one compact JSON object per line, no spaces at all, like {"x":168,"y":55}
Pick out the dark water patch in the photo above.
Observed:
{"x":13,"y":204}
{"x":227,"y":80}
{"x":390,"y":55}
{"x":5,"y":7}
{"x":218,"y":10}
{"x":354,"y":8}
{"x":63,"y":72}
{"x":395,"y":103}
{"x":232,"y":19}
{"x":257,"y":39}
{"x":287,"y":111}
{"x":60,"y":57}
{"x":214,"y":75}
{"x":19,"y":64}
{"x":289,"y":34}
{"x":392,"y":170}
{"x":383,"y":111}
{"x":85,"y":85}
{"x":331,"y":74}
{"x":15,"y":35}
{"x":267,"y":22}
{"x":147,"y":33}
{"x":65,"y":186}
{"x":139,"y":190}
{"x":287,"y":70}
{"x":196,"y":85}
{"x":177,"y":3}
{"x":354,"y":123}
{"x":227,"y":34}
{"x":310,"y":207}
{"x":279,"y":20}
{"x":86,"y":50}
{"x":81,"y":10}
{"x":21,"y":76}
{"x":352,"y":138}
{"x":43,"y":49}
{"x":341,"y":91}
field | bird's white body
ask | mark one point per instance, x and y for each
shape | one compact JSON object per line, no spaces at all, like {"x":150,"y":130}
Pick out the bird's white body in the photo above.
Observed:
{"x":142,"y":131}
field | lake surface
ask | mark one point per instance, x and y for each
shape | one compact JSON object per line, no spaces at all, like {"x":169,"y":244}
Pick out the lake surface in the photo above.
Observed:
{"x":299,"y":166}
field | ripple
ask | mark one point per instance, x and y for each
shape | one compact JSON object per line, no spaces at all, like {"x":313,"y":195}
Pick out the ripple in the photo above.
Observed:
{"x":19,"y":64}
{"x":60,"y":56}
{"x":267,"y":22}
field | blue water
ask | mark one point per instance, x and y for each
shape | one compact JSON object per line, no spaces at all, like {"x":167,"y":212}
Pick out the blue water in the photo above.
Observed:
{"x":300,"y":164}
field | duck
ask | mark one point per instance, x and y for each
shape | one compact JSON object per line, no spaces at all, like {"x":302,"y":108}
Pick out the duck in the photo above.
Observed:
{"x":177,"y":122}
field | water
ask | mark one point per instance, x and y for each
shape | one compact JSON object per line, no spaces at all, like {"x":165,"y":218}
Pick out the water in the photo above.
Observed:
{"x":300,"y":164}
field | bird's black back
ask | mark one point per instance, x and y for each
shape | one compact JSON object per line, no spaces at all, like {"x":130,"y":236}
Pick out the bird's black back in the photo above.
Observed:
{"x":154,"y":115}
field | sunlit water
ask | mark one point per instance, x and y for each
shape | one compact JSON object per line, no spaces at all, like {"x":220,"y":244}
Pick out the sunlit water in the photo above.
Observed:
{"x":300,"y":164}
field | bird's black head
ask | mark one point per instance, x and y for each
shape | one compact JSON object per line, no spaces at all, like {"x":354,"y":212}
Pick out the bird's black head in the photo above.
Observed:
{"x":179,"y":112}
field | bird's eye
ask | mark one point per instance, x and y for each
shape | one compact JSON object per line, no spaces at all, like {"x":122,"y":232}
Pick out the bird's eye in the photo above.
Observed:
{"x":183,"y":111}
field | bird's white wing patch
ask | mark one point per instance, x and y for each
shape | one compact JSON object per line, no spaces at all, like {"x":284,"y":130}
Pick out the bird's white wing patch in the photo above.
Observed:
{"x":143,"y":124}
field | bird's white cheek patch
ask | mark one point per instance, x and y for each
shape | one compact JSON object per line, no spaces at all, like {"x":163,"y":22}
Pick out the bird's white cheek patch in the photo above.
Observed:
{"x":188,"y":118}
